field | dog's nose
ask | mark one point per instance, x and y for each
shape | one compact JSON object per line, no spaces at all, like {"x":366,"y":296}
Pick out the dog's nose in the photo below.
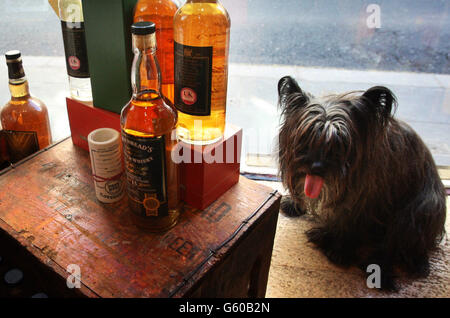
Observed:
{"x":317,"y":168}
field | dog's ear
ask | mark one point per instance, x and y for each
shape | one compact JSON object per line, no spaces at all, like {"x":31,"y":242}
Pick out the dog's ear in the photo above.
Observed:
{"x":290,"y":93}
{"x":287,"y":85}
{"x":382,"y":101}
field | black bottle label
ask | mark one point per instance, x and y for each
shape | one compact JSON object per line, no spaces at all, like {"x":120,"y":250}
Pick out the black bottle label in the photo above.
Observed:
{"x":20,"y":144}
{"x":15,"y":70}
{"x":145,"y":166}
{"x":193,"y":76}
{"x":75,"y":49}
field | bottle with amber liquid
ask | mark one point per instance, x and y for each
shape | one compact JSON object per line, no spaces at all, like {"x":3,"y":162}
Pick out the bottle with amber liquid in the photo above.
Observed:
{"x":74,"y":38}
{"x":24,"y":118}
{"x":202,"y":37}
{"x":147,"y":123}
{"x":161,"y":12}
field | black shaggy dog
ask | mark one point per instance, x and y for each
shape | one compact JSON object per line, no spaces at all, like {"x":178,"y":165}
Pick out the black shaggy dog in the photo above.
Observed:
{"x":368,"y":179}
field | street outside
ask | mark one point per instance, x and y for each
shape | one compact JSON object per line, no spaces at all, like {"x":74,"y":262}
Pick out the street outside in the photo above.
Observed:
{"x":414,"y":35}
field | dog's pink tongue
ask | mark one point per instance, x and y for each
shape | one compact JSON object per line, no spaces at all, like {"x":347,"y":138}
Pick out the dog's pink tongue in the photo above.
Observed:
{"x":313,"y":186}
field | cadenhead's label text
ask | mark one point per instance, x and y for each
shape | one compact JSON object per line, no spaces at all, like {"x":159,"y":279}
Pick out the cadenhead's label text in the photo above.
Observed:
{"x":145,"y":166}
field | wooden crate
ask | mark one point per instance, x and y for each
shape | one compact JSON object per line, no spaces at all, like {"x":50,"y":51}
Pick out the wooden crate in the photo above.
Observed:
{"x":49,"y":215}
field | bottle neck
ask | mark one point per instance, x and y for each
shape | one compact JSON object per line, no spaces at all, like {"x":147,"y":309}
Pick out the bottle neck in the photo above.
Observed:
{"x":19,"y":89}
{"x":145,"y":73}
{"x":71,"y":12}
{"x":18,"y":84}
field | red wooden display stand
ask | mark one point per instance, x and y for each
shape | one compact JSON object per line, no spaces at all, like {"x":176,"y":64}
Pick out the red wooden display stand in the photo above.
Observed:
{"x":209,"y":171}
{"x":84,"y":118}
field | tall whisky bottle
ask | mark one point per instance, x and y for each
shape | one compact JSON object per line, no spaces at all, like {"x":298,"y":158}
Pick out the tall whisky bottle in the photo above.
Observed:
{"x":202,"y":37}
{"x":161,"y":12}
{"x":24,"y":118}
{"x":72,"y":24}
{"x":147,"y":123}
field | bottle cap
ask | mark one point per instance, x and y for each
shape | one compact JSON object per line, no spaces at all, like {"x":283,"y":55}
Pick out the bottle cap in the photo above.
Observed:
{"x":143,"y":28}
{"x":13,"y":55}
{"x":14,"y":63}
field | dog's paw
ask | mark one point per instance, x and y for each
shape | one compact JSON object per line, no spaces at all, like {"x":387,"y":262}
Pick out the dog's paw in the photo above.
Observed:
{"x":388,"y":283}
{"x":340,"y":257}
{"x":319,"y":237}
{"x":418,"y":268}
{"x":289,"y":208}
{"x":338,"y":253}
{"x":422,"y":269}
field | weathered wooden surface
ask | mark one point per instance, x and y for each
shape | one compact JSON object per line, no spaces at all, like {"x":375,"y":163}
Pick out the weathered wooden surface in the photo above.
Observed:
{"x":48,"y":205}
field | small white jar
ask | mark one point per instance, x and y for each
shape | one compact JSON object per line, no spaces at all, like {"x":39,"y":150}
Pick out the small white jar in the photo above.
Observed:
{"x":106,"y":162}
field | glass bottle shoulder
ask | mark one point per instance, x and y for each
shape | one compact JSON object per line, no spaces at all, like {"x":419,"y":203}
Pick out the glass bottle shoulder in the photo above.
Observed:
{"x":24,"y":114}
{"x":201,"y":12}
{"x":25,"y":104}
{"x":156,"y":8}
{"x":148,"y":117}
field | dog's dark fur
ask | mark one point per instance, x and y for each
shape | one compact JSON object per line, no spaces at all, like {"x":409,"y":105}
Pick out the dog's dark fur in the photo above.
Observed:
{"x":382,"y":200}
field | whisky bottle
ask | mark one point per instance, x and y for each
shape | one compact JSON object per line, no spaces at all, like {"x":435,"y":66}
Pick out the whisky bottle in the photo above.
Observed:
{"x":161,"y":12}
{"x":72,"y":24}
{"x":24,"y":118}
{"x":201,"y":36}
{"x":147,"y":123}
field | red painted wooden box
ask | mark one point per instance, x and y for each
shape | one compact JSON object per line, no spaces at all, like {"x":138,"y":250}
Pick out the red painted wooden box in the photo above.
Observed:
{"x":85,"y":118}
{"x":209,"y":171}
{"x":50,"y":221}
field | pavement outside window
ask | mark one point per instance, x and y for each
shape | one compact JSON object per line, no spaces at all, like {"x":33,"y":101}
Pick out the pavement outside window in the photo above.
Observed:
{"x":424,"y":101}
